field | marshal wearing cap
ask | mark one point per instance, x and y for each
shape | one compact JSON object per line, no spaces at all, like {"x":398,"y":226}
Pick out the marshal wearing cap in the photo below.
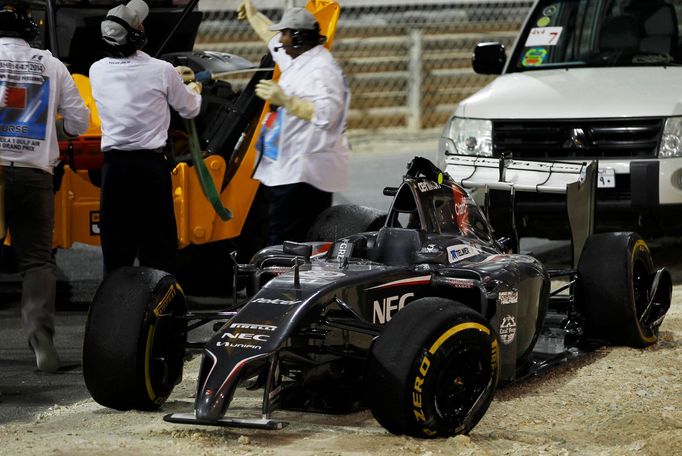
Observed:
{"x":119,"y":21}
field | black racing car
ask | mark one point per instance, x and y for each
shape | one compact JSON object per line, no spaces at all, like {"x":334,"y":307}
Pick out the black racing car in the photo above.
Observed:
{"x":420,"y":320}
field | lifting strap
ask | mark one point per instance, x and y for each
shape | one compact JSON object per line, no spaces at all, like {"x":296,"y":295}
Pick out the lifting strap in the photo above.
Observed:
{"x":205,"y":179}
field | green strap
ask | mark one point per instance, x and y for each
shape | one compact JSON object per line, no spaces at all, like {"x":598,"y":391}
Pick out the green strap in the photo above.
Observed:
{"x":205,"y":179}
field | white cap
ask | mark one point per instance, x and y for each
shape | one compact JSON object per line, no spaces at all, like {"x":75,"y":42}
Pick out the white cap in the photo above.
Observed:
{"x":295,"y":19}
{"x":132,"y":13}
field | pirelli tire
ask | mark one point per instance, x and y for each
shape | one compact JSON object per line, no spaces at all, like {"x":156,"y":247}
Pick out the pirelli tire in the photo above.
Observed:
{"x":615,"y":278}
{"x":134,"y":344}
{"x":433,"y":371}
{"x":343,"y":220}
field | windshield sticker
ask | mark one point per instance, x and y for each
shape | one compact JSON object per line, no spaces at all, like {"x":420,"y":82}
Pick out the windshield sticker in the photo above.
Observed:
{"x":461,"y":251}
{"x":543,"y":36}
{"x":534,"y":57}
{"x":543,"y":21}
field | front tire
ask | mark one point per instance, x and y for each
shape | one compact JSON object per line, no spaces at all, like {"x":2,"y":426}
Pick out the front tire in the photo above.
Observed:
{"x":615,"y":274}
{"x":433,"y":371}
{"x":134,"y":345}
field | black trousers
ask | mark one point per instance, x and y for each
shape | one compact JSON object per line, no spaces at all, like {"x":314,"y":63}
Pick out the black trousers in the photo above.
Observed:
{"x":293,"y":209}
{"x":29,"y":208}
{"x":136,"y":211}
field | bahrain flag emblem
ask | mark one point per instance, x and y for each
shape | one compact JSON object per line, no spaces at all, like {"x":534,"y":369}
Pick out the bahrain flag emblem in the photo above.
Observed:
{"x":12,"y":97}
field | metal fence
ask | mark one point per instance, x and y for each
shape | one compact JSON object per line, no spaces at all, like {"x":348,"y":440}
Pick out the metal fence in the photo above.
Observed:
{"x":408,"y":63}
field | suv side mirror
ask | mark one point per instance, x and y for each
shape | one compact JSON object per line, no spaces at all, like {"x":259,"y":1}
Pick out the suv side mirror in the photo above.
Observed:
{"x":488,"y":58}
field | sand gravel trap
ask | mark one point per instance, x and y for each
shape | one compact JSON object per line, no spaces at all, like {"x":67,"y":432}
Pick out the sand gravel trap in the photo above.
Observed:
{"x":615,"y":401}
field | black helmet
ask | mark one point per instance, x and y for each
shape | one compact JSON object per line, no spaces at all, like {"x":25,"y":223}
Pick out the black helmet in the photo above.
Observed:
{"x":16,"y":20}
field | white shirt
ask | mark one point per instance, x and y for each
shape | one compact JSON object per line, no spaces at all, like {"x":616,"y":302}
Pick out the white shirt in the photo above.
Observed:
{"x":132,"y":95}
{"x":34,"y":87}
{"x":314,"y":152}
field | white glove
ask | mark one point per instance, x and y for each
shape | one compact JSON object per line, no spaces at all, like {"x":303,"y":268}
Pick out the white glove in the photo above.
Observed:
{"x":258,"y":21}
{"x":269,"y":90}
{"x":186,"y":73}
{"x":195,"y":87}
{"x":246,"y":10}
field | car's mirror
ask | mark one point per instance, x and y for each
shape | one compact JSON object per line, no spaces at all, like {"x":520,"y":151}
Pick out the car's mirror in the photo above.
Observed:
{"x":295,"y":248}
{"x":489,"y":58}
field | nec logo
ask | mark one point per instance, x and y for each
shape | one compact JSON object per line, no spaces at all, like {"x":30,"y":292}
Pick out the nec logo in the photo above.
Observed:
{"x":245,"y":336}
{"x":389,"y":306}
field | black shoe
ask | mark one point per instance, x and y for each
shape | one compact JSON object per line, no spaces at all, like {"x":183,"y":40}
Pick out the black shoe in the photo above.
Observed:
{"x":43,"y":347}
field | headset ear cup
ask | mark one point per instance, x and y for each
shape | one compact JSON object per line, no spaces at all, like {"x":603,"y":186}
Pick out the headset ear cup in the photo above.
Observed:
{"x":135,"y":36}
{"x":135,"y":39}
{"x":296,"y":39}
{"x":32,"y":30}
{"x":300,"y":37}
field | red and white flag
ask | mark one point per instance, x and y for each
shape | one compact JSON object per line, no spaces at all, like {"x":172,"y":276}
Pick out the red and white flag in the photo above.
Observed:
{"x":12,"y":97}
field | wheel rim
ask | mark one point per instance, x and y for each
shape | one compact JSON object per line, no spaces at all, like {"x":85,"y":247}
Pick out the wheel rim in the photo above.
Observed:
{"x":641,"y":284}
{"x":462,"y":382}
{"x":166,"y":341}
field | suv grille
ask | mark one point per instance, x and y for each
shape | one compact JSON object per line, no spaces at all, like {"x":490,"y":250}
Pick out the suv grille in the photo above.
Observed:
{"x":570,"y":139}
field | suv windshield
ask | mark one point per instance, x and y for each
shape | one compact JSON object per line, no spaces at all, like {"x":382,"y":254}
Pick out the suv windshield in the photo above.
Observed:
{"x":598,"y":33}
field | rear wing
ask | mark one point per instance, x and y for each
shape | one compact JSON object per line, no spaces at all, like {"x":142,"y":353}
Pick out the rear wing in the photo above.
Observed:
{"x":502,"y":178}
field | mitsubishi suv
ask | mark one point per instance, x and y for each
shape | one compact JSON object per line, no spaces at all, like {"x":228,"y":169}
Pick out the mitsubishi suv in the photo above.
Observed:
{"x":586,"y":80}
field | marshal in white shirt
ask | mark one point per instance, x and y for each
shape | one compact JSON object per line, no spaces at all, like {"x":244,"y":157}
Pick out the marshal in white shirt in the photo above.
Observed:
{"x":314,"y":152}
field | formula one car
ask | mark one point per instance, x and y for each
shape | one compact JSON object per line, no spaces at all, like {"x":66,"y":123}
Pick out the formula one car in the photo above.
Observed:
{"x":420,"y":320}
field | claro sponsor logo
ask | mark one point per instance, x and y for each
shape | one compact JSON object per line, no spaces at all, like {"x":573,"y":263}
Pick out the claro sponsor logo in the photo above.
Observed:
{"x":461,"y":208}
{"x":385,"y":308}
{"x":427,"y":186}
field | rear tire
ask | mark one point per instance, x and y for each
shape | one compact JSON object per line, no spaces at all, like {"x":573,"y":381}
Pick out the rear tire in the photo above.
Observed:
{"x":433,"y":371}
{"x":343,"y":220}
{"x":134,"y":345}
{"x":615,"y":274}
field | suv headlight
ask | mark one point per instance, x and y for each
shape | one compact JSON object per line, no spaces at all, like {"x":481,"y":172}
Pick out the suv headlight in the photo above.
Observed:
{"x":671,"y":142}
{"x":471,"y":136}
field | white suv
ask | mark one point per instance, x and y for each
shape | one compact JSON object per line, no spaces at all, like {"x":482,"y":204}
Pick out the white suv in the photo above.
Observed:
{"x":587,"y":80}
